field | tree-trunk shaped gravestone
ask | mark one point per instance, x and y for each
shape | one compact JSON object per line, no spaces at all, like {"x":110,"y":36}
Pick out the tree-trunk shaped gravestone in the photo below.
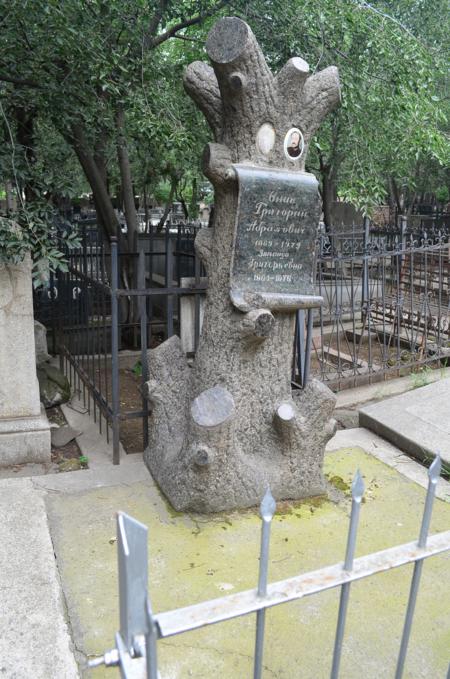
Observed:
{"x":226,"y":428}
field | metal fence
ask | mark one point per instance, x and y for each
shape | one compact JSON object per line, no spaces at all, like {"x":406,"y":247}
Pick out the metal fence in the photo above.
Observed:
{"x":386,"y":304}
{"x":386,"y":313}
{"x":95,"y":310}
{"x":140,"y":628}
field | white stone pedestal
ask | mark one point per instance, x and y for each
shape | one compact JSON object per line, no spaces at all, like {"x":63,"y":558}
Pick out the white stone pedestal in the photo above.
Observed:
{"x":24,"y":429}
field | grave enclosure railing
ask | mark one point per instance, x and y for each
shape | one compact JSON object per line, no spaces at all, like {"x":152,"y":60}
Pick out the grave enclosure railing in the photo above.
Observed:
{"x":141,"y":628}
{"x":385,"y":313}
{"x":109,"y":300}
{"x":386,"y":304}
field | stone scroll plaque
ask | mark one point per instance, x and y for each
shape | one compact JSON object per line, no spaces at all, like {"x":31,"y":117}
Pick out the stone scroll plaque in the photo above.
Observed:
{"x":273,"y":262}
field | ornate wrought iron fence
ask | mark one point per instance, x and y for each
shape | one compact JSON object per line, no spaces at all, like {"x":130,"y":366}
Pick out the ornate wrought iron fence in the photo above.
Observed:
{"x":386,"y":312}
{"x":386,"y":305}
{"x":93,"y":312}
{"x":141,"y":629}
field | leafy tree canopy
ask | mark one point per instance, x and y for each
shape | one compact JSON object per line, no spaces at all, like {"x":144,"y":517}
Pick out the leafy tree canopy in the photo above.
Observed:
{"x":96,"y":85}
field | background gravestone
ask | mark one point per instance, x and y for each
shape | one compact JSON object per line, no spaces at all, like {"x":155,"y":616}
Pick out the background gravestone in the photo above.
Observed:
{"x":24,"y":429}
{"x":225,"y":428}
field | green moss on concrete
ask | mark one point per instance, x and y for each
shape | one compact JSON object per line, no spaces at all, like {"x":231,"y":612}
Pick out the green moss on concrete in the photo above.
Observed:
{"x":338,"y":482}
{"x":194,"y":558}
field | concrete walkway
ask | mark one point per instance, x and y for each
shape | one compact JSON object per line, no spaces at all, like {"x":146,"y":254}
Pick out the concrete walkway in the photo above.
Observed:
{"x":418,"y":421}
{"x":35,"y":638}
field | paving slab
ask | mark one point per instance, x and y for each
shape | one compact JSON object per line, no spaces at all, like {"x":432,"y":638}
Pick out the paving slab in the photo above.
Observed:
{"x":351,"y":398}
{"x":194,"y":558}
{"x":35,"y":638}
{"x":386,"y":452}
{"x":418,"y":422}
{"x":93,"y":445}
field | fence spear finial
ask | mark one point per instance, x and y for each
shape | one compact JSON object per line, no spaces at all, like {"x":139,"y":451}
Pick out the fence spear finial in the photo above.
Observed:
{"x":434,"y":471}
{"x":268,"y":506}
{"x":357,"y":487}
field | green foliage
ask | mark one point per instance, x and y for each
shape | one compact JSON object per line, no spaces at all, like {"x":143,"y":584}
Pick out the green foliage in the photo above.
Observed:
{"x":80,"y":61}
{"x":393,"y":119}
{"x":137,"y":369}
{"x":32,"y":232}
{"x":442,"y":194}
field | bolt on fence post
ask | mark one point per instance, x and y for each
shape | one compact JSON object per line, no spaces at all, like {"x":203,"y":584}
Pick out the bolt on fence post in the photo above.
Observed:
{"x":150,"y":643}
{"x":267,"y":510}
{"x":433,"y":476}
{"x":357,"y":494}
{"x":115,"y":351}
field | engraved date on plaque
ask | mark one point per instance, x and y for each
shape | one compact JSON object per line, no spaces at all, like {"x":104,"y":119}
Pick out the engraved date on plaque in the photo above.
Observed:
{"x":274,"y":246}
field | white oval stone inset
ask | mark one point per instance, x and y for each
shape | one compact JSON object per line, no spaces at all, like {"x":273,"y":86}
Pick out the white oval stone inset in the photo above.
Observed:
{"x":212,"y":407}
{"x":265,"y":138}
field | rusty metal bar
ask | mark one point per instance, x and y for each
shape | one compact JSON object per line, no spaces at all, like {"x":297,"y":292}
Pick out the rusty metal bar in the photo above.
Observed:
{"x":298,"y":587}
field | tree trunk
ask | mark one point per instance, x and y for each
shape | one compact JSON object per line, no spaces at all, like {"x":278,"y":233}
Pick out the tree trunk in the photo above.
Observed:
{"x":146,"y":209}
{"x":169,"y":203}
{"x":127,"y":183}
{"x":102,"y":200}
{"x":224,"y":429}
{"x":25,"y":137}
{"x":327,"y":194}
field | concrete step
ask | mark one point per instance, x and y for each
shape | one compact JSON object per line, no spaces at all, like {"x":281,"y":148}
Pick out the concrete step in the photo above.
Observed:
{"x":418,"y":421}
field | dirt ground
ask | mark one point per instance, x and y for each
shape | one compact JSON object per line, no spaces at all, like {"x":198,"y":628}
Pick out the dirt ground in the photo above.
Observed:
{"x":68,"y":457}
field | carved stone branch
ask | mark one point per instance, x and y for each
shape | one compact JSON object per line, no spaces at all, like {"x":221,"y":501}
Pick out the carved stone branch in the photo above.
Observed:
{"x":321,"y":94}
{"x":244,"y":80}
{"x":203,"y":244}
{"x":288,"y":420}
{"x":291,"y":79}
{"x":200,"y":83}
{"x":216,"y":164}
{"x":257,"y":324}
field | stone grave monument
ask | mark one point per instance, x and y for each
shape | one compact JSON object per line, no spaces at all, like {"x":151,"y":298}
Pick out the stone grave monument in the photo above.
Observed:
{"x":24,"y":428}
{"x":224,"y":429}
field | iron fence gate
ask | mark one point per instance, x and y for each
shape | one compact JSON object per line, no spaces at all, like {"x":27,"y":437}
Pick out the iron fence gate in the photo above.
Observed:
{"x":140,"y":628}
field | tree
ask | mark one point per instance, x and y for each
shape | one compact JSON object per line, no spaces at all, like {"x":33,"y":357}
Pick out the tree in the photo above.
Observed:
{"x":391,"y":57}
{"x":88,"y":79}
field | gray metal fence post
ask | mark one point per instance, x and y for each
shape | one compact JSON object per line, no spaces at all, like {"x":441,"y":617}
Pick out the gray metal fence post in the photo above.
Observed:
{"x":357,"y":494}
{"x":433,"y":476}
{"x":300,"y":344}
{"x":144,"y":342}
{"x":309,"y":331}
{"x":268,"y":507}
{"x":365,"y":294}
{"x":133,"y":579}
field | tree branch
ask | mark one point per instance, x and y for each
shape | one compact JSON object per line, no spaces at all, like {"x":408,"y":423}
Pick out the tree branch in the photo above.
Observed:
{"x":201,"y":84}
{"x":185,"y":23}
{"x":154,"y":22}
{"x":22,"y":82}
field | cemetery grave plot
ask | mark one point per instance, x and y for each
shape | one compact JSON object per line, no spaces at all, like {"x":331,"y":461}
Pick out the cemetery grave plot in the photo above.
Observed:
{"x":339,"y":358}
{"x":399,"y":324}
{"x":130,"y":399}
